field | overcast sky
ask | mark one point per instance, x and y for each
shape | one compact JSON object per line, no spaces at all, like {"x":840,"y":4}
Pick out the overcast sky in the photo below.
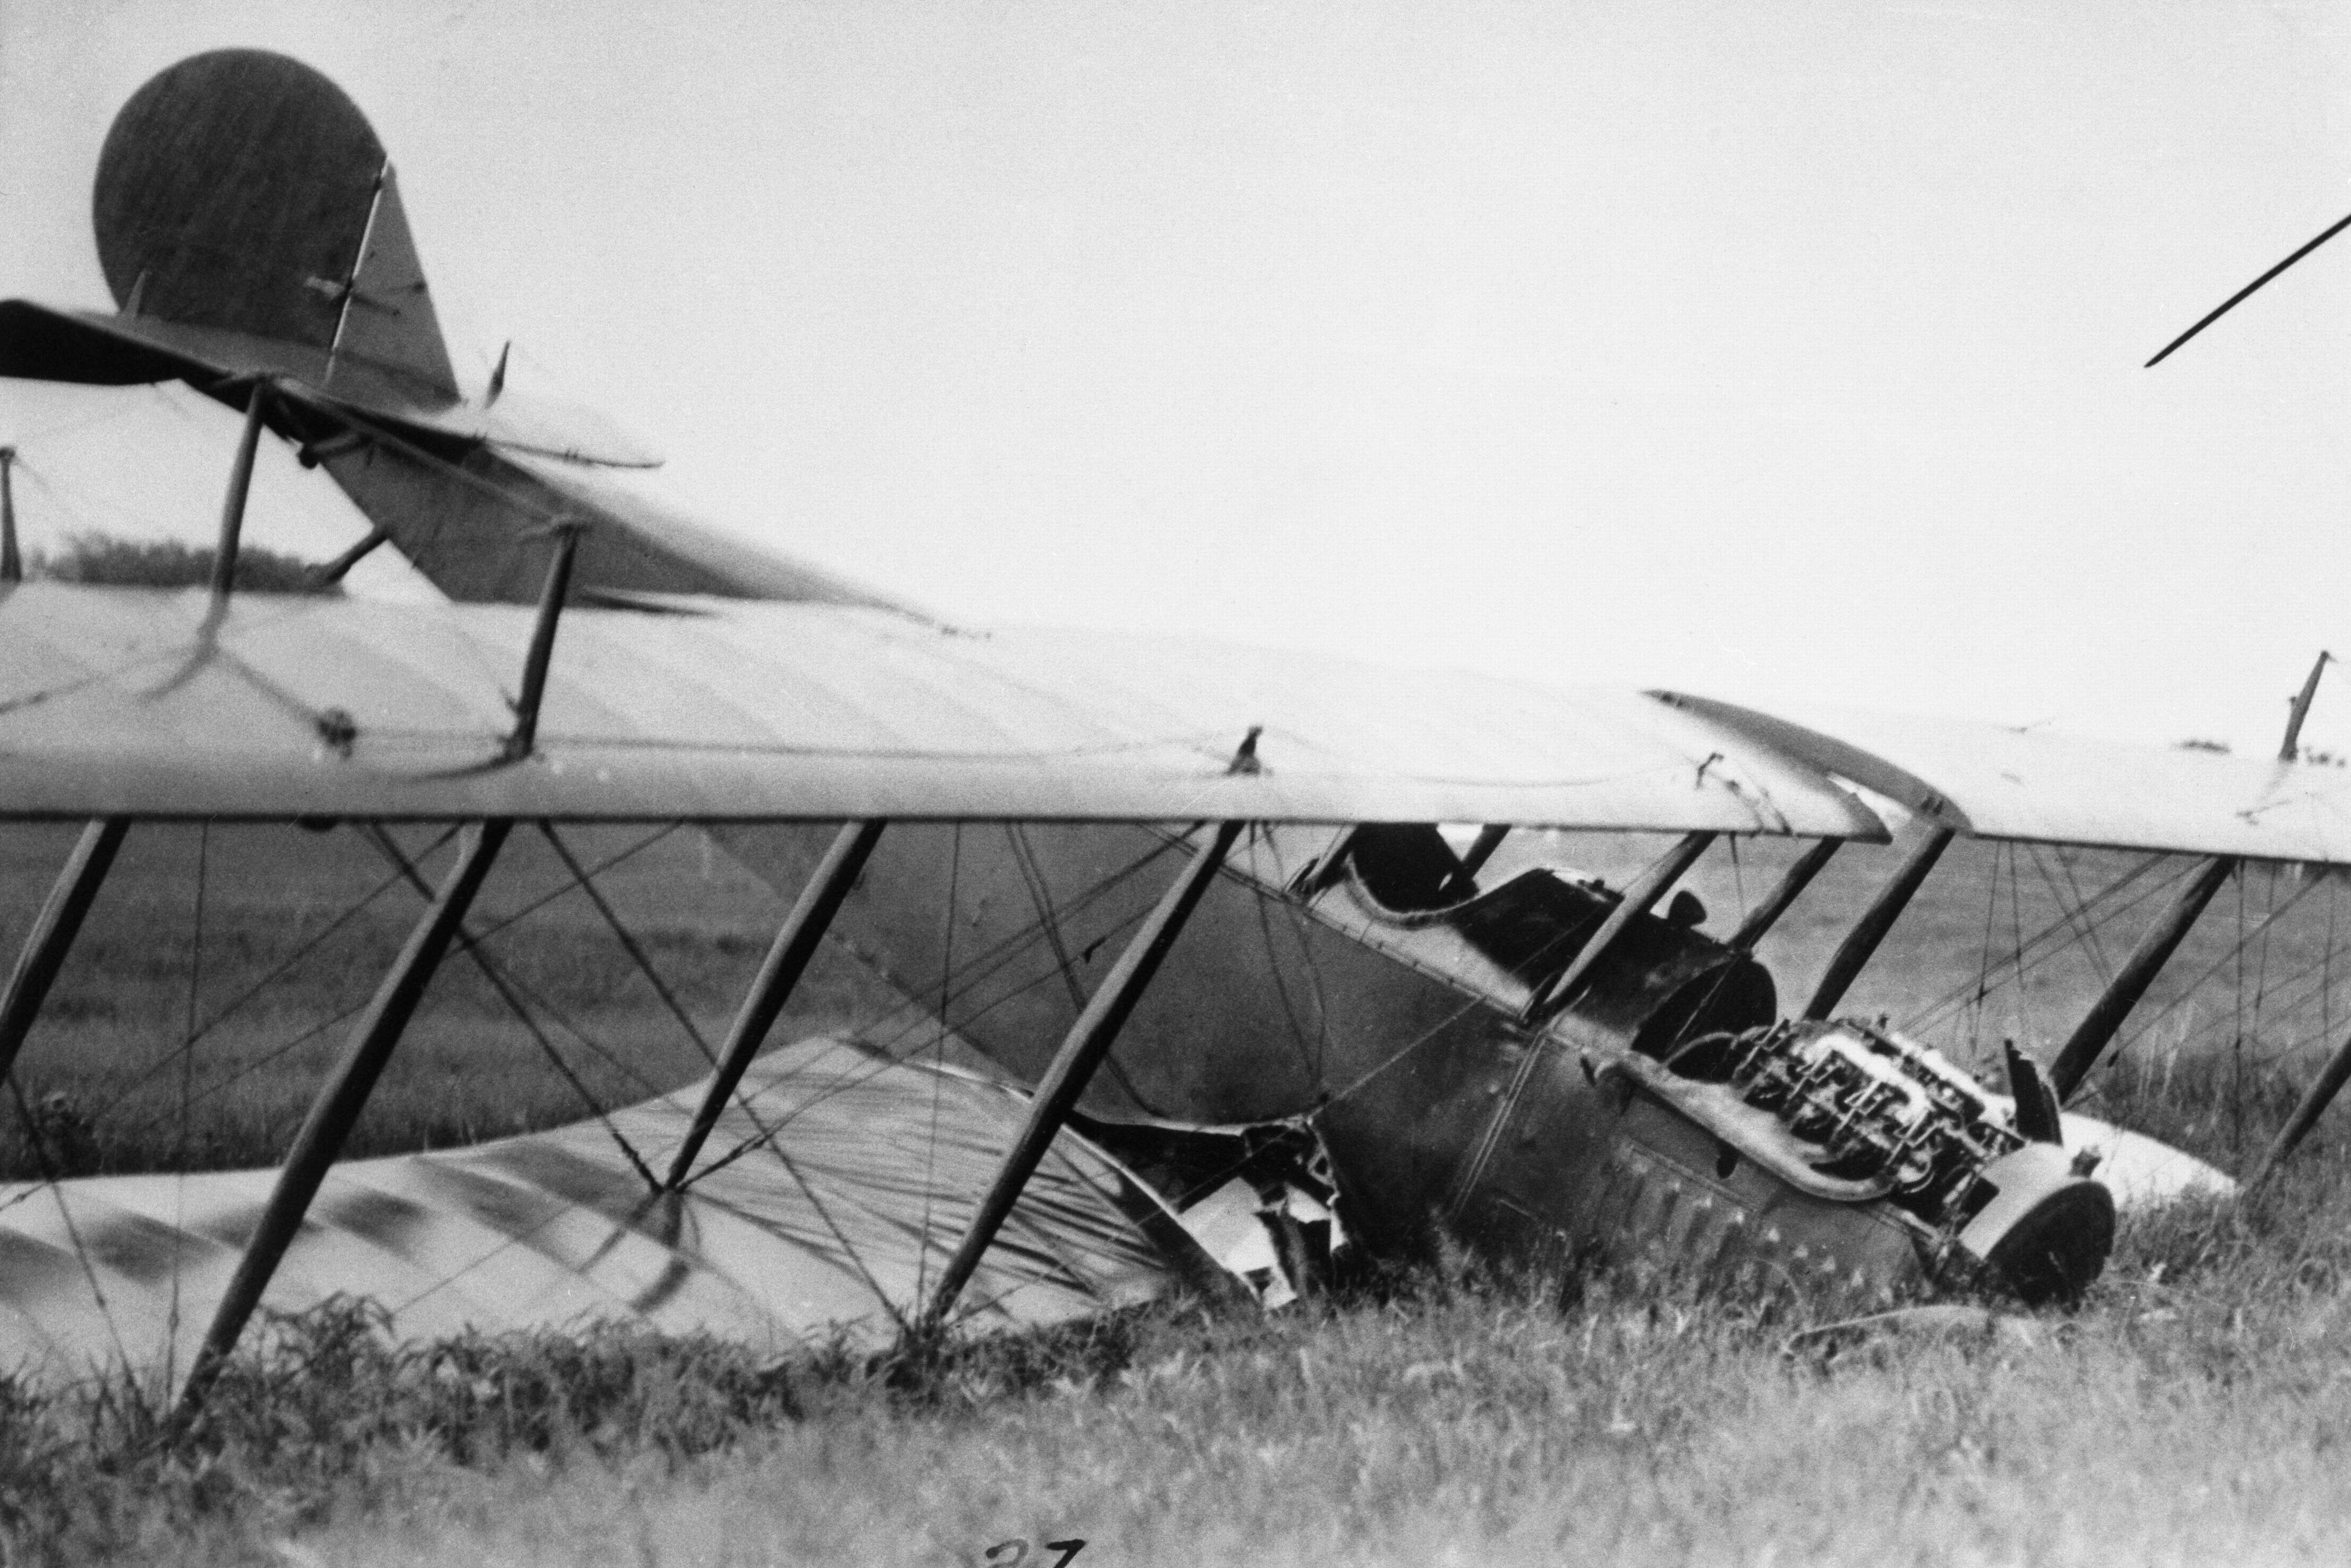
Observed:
{"x":1778,"y":353}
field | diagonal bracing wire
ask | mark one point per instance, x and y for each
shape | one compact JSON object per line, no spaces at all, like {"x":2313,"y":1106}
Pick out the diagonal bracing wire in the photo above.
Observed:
{"x":629,"y":942}
{"x":318,"y":939}
{"x":508,"y":993}
{"x":2046,"y":943}
{"x":394,"y":879}
{"x":187,"y":1086}
{"x":2234,"y":955}
{"x":981,"y":967}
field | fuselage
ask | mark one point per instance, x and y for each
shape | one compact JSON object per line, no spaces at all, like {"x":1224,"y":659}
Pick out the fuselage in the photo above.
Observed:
{"x":1385,"y":1010}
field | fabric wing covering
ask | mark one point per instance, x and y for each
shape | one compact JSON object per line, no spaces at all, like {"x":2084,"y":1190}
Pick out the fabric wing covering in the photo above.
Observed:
{"x":161,"y":704}
{"x":2023,"y":784}
{"x":856,"y":1175}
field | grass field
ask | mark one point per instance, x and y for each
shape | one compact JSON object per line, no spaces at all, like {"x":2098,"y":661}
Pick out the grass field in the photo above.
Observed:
{"x":146,"y":975}
{"x":2192,"y":1408}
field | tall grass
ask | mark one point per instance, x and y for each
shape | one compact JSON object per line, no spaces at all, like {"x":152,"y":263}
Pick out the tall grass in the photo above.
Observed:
{"x":2194,"y":1407}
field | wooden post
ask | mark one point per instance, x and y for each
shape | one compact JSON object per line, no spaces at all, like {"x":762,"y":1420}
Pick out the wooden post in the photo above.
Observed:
{"x":240,"y":481}
{"x":788,"y":957}
{"x":341,"y":1100}
{"x":1766,"y":914}
{"x":1073,"y":1068}
{"x":53,"y":932}
{"x":1845,"y":965}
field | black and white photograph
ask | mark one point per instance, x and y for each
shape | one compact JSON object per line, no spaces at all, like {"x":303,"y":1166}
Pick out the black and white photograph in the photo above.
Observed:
{"x":1089,"y":785}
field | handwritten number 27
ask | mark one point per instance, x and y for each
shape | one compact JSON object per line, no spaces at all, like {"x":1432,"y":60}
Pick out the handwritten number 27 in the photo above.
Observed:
{"x":1013,"y":1553}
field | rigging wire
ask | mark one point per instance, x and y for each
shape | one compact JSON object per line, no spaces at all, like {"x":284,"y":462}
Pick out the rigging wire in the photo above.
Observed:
{"x":643,"y":960}
{"x":1041,"y":900}
{"x":918,"y":1014}
{"x":1983,"y":965}
{"x":947,"y":981}
{"x":2016,"y":935}
{"x":2086,"y":930}
{"x":2045,"y":944}
{"x":1024,"y":859}
{"x":50,"y":1184}
{"x":2261,"y":966}
{"x":187,"y":1084}
{"x":2327,"y":975}
{"x":125,"y":1089}
{"x":2237,"y":1044}
{"x":1738,"y":879}
{"x":512,"y":992}
{"x":1309,"y":1057}
{"x":2235,"y":954}
{"x":2314,"y":975}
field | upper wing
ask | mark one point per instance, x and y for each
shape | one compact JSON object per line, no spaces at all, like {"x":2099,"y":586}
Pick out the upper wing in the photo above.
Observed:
{"x":142,"y":703}
{"x":2000,"y":783}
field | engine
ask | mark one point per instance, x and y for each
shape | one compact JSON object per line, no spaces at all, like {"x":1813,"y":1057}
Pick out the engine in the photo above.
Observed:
{"x":1868,"y":1106}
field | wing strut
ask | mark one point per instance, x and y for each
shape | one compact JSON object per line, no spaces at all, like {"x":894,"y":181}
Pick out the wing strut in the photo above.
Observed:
{"x":2314,"y":1101}
{"x":2138,"y":971}
{"x":53,"y":932}
{"x":2106,"y":1016}
{"x":567,"y":532}
{"x":240,"y":482}
{"x":12,"y":565}
{"x":1637,"y":900}
{"x":341,"y":1100}
{"x":1767,"y":913}
{"x":1846,"y":963}
{"x":1072,"y":1067}
{"x":1464,"y":880}
{"x":788,"y":957}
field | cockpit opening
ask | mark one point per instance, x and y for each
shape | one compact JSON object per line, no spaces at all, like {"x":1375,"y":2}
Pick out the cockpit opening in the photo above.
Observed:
{"x":1407,"y":867}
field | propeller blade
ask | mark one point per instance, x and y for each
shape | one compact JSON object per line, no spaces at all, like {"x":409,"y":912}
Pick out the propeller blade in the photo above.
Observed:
{"x":2231,"y":302}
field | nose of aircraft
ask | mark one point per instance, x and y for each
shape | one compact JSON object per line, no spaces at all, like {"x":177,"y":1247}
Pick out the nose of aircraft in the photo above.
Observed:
{"x":2047,"y":1230}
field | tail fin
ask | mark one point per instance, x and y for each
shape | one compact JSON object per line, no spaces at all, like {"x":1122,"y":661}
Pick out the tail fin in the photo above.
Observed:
{"x":242,"y":190}
{"x":248,"y":226}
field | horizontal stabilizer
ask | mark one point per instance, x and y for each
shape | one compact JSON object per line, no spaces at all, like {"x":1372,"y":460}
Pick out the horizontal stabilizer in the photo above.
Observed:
{"x":42,"y":342}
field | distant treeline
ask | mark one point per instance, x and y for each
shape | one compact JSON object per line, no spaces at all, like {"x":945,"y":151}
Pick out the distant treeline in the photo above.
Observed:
{"x":94,"y":557}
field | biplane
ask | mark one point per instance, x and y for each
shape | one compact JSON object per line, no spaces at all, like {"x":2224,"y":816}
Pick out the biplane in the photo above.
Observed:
{"x":1233,"y":982}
